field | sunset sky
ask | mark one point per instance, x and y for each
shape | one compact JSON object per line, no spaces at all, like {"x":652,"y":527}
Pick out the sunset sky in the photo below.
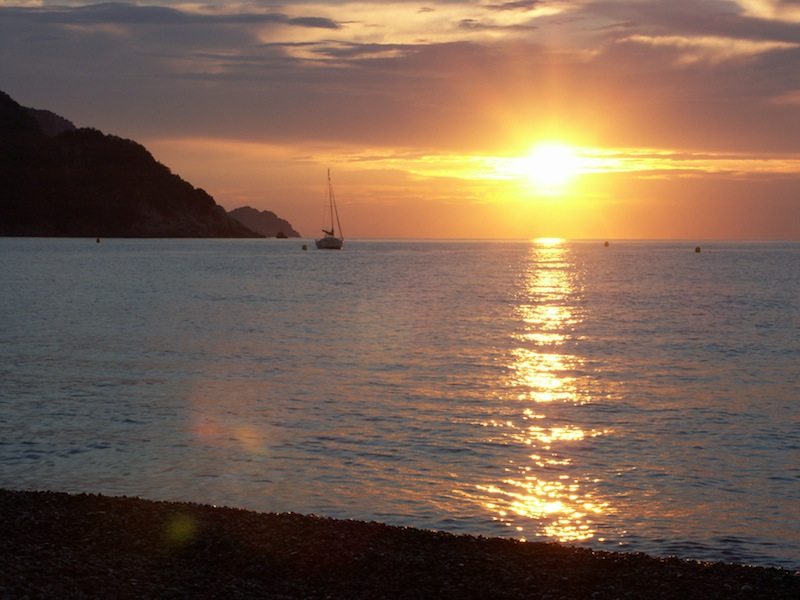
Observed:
{"x":479,"y":119}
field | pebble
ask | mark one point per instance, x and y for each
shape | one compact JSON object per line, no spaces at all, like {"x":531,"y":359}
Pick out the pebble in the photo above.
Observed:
{"x":62,"y":545}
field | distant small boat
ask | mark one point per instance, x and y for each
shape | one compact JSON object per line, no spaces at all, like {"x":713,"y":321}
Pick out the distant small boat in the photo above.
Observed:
{"x":331,"y":241}
{"x":281,"y":236}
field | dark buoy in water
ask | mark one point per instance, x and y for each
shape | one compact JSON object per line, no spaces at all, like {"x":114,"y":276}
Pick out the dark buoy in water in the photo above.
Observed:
{"x":697,"y":249}
{"x":606,"y":244}
{"x":305,"y":247}
{"x":97,"y":241}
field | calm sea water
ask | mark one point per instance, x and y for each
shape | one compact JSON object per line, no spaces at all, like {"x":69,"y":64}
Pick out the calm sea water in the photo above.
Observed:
{"x":637,"y":397}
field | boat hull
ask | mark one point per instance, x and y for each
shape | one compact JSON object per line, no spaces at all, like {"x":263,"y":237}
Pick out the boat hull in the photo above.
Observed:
{"x":330,"y":243}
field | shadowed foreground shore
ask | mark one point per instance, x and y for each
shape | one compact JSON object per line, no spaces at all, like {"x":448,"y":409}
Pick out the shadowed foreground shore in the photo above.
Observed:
{"x":60,"y":545}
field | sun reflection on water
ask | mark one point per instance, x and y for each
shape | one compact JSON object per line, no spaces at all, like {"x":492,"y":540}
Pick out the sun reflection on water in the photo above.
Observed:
{"x":539,"y":377}
{"x":545,"y":494}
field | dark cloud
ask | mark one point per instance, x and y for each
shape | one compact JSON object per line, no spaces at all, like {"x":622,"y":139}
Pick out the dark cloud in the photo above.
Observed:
{"x":131,"y":14}
{"x":317,"y":22}
{"x":344,"y":51}
{"x":520,"y":5}
{"x":719,"y":18}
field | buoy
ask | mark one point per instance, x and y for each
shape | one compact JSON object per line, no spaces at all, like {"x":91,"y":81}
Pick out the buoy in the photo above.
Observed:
{"x":305,"y":247}
{"x":697,"y":249}
{"x":97,"y":241}
{"x":606,"y":244}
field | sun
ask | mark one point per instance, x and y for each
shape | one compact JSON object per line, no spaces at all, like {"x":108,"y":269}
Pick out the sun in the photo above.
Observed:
{"x":551,"y":166}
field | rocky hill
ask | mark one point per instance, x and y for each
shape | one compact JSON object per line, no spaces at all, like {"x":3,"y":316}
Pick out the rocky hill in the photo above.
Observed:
{"x":265,"y":222}
{"x":58,"y":180}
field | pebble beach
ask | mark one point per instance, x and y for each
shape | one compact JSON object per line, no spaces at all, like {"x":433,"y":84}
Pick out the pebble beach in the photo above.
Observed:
{"x":92,"y":546}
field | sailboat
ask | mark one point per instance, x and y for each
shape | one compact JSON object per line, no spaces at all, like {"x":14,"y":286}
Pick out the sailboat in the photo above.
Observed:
{"x":330,"y":241}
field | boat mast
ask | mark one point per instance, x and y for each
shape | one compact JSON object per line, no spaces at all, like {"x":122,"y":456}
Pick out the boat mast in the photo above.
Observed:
{"x":334,"y":209}
{"x":331,"y":201}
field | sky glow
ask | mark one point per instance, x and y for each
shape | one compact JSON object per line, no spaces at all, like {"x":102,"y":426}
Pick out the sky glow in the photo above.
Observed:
{"x":683,"y":117}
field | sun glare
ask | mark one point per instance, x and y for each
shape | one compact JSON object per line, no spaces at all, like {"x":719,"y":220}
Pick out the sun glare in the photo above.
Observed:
{"x":551,"y":166}
{"x":548,"y":241}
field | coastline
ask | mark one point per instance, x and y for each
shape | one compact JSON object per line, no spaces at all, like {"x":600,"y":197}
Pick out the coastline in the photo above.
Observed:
{"x":54,"y":544}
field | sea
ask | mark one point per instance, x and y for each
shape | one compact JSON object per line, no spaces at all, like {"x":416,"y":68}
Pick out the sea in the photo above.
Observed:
{"x":636,"y":396}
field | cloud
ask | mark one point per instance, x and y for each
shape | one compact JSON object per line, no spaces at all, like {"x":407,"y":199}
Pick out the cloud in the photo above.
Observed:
{"x":163,"y":16}
{"x":780,"y":10}
{"x":711,"y":49}
{"x":352,"y":53}
{"x":686,"y":18}
{"x":476,"y":25}
{"x":454,"y":76}
{"x":519,"y":5}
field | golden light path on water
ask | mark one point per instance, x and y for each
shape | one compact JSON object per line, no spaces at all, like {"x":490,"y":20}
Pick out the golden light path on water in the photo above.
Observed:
{"x":546,"y":489}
